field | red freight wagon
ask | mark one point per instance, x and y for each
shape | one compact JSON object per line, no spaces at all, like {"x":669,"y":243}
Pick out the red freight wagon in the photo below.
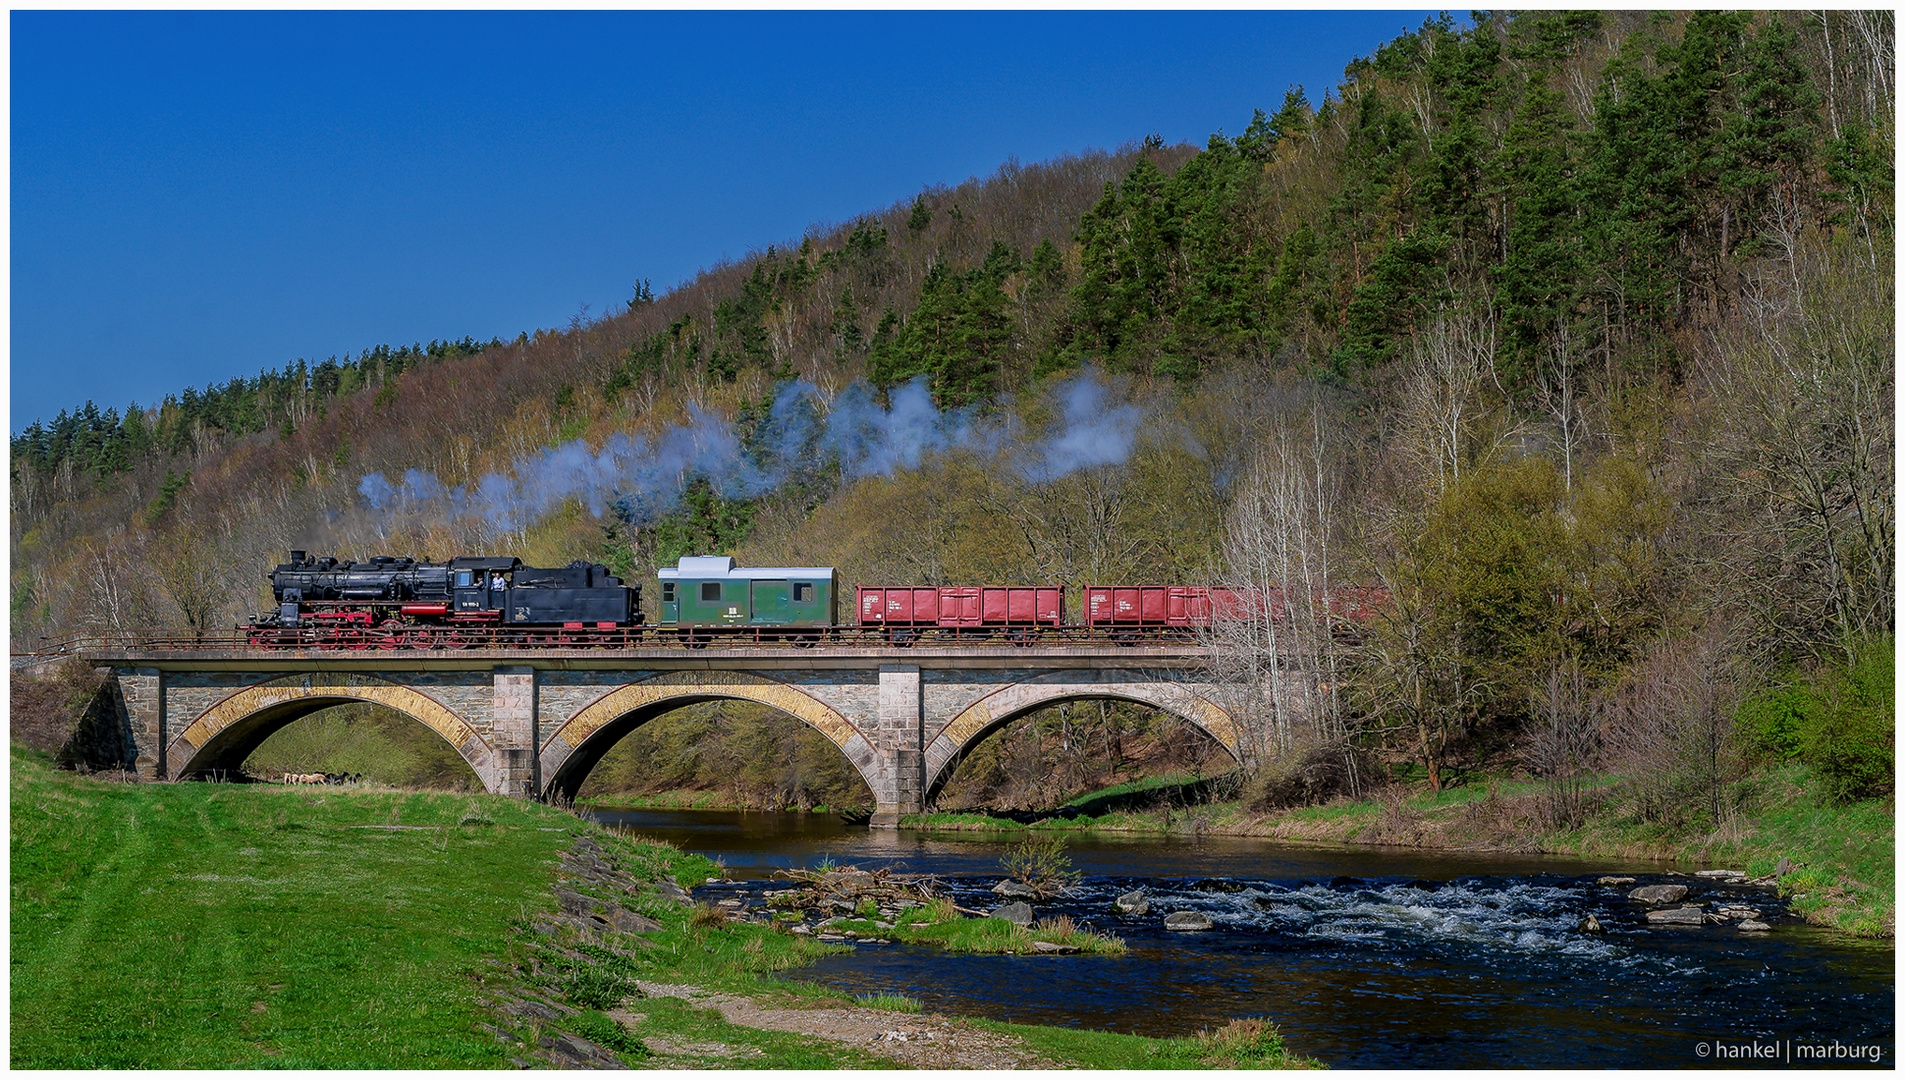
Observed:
{"x":961,"y":605}
{"x":1160,"y":605}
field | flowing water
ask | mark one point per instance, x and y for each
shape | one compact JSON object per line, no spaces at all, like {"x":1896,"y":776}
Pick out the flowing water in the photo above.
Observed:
{"x":1363,"y":958}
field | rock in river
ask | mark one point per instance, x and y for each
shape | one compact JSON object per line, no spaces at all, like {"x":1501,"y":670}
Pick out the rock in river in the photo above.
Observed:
{"x":1686,"y":916}
{"x":1753,"y":926}
{"x":1658,"y":894}
{"x":1187,"y":920}
{"x":1592,"y":925}
{"x":1613,"y":880}
{"x":1015,"y":890}
{"x":1132,"y":903}
{"x":1020,"y":913}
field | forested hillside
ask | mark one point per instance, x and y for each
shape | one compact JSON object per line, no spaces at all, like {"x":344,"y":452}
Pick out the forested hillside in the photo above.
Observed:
{"x":1570,"y":333}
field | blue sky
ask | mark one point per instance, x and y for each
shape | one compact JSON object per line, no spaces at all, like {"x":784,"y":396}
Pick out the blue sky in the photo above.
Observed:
{"x":201,"y":195}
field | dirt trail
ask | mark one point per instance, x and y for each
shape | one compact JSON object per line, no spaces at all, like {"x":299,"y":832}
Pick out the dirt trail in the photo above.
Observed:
{"x":921,"y":1040}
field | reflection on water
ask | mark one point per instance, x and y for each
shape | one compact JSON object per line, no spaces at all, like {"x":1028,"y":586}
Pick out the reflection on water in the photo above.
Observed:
{"x":1362,"y":957}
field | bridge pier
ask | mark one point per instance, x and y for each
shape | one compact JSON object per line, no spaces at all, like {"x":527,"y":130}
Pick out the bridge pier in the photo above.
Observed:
{"x":143,"y":690}
{"x":899,"y":739}
{"x":518,"y":768}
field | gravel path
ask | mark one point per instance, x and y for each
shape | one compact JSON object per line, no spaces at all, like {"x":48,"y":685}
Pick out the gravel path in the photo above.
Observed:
{"x":921,"y":1040}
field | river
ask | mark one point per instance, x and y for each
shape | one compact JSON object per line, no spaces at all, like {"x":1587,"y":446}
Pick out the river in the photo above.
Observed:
{"x":1362,"y":957}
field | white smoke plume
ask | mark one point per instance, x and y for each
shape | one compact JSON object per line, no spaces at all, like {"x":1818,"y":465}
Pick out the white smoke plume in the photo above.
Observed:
{"x":642,"y":479}
{"x":1094,"y":431}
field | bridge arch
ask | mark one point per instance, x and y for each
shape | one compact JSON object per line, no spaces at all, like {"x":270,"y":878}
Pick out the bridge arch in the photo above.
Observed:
{"x":1009,"y":703}
{"x":223,"y":736}
{"x":573,"y":750}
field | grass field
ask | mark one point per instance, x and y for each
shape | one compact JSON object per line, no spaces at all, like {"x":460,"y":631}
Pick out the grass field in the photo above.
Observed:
{"x":259,"y":926}
{"x":219,"y":926}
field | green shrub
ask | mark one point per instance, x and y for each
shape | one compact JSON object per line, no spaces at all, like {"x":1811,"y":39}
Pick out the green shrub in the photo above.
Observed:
{"x":1840,"y":722}
{"x":1040,"y":861}
{"x":1773,"y":721}
{"x":605,"y":1031}
{"x":1848,"y":739}
{"x":1250,"y":1043}
{"x":596,"y":986}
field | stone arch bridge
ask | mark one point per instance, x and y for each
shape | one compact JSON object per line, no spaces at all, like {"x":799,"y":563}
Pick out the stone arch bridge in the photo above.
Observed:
{"x":535,"y":722}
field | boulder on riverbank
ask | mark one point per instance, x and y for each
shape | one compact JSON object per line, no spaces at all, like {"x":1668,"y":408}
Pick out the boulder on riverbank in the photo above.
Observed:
{"x":1658,"y":894}
{"x":1187,"y":920}
{"x":1018,"y":912}
{"x":1132,"y":903}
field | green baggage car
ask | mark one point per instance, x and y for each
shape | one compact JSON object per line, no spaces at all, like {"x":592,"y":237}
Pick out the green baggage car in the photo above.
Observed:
{"x":706,"y":595}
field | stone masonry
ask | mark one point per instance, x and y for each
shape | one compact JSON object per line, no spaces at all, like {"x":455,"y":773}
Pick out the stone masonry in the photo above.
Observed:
{"x":535,"y":723}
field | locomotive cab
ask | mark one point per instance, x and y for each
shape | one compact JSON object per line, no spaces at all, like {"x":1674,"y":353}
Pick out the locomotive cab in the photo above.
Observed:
{"x":479,"y":587}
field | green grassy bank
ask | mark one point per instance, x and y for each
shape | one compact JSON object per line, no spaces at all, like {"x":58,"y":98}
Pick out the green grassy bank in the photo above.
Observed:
{"x":1842,"y":854}
{"x":219,"y":926}
{"x":255,"y":926}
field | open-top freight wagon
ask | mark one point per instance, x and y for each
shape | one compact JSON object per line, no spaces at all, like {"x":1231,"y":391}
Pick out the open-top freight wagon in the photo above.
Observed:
{"x":1130,"y":612}
{"x":1018,"y":613}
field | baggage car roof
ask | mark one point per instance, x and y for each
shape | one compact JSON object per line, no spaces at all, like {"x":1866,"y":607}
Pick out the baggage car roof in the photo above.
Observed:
{"x":721,"y":567}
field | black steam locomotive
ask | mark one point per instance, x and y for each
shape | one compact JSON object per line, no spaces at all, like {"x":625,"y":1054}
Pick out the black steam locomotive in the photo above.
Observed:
{"x":386,"y":602}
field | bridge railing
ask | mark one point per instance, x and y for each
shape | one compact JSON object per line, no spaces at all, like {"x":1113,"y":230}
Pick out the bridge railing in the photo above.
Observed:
{"x":451,"y":640}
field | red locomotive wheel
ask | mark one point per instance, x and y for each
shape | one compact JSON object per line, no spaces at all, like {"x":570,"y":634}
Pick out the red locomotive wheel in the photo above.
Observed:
{"x":454,"y":640}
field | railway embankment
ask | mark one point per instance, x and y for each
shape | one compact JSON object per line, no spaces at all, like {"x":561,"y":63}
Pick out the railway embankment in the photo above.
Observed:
{"x":262,"y":925}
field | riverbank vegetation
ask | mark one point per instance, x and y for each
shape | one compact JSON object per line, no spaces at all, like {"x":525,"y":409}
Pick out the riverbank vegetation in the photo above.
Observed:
{"x":258,"y":926}
{"x":1540,"y":377}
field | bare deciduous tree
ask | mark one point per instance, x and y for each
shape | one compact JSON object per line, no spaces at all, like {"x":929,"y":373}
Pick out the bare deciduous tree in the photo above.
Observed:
{"x":1279,"y":646}
{"x":1561,"y":743}
{"x":1806,"y":428}
{"x":1668,"y":726}
{"x":1442,"y":394}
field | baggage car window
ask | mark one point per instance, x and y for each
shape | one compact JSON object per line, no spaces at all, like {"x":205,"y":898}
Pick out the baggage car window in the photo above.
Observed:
{"x":667,"y":592}
{"x":803,"y":593}
{"x":710,"y":592}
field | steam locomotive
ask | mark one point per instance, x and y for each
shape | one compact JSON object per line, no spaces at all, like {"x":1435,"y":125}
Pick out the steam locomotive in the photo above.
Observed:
{"x":386,"y":602}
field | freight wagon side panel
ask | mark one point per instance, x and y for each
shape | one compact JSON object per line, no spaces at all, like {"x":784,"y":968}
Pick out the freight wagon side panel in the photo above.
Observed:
{"x":959,"y":606}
